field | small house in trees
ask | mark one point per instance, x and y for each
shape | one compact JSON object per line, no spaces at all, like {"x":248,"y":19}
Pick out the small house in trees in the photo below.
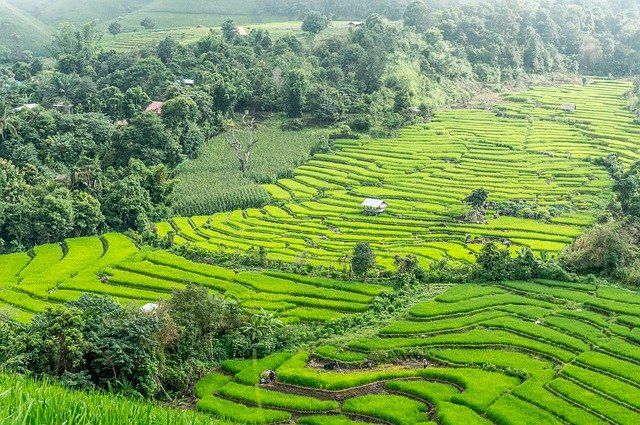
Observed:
{"x":149,"y":307}
{"x":155,"y":106}
{"x":569,"y":107}
{"x":241,"y":32}
{"x":354,"y":25}
{"x":374,"y":206}
{"x":186,"y":82}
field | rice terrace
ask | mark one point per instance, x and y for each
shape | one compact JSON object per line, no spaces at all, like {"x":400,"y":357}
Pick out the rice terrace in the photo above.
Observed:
{"x":326,"y":213}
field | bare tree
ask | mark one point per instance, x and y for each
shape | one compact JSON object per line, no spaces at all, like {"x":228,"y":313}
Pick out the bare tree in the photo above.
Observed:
{"x":243,"y":148}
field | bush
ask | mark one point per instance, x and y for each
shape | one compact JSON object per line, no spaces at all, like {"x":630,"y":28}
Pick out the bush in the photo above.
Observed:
{"x":605,"y":249}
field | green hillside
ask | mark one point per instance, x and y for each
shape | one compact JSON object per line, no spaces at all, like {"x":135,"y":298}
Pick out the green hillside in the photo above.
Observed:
{"x":52,"y":274}
{"x":526,"y":152}
{"x":78,"y":11}
{"x":542,"y":352}
{"x":31,"y":33}
{"x":208,"y":13}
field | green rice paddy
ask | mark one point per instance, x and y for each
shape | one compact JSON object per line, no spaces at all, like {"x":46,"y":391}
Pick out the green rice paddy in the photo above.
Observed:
{"x":113,"y":265}
{"x":526,"y":149}
{"x":505,"y":354}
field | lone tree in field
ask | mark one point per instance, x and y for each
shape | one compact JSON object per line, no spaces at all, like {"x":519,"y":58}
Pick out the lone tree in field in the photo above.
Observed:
{"x":363,"y":259}
{"x":148,"y":23}
{"x":477,"y":199}
{"x":314,"y":22}
{"x":243,"y":148}
{"x":115,"y":28}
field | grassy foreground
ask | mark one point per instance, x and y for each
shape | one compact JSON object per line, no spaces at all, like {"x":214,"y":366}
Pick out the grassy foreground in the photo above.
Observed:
{"x":26,"y":402}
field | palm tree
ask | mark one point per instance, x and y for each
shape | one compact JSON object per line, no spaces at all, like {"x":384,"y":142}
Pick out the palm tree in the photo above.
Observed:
{"x":6,"y":122}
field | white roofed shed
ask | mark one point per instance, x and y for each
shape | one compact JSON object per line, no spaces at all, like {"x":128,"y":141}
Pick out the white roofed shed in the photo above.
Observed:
{"x":374,"y":206}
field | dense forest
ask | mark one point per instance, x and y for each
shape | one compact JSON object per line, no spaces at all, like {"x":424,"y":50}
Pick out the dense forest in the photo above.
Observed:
{"x":79,"y":155}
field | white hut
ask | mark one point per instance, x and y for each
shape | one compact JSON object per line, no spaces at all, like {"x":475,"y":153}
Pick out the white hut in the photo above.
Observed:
{"x":149,"y":307}
{"x":373,"y":206}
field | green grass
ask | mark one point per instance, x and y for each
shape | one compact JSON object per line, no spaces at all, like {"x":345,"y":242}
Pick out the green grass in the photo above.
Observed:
{"x":396,"y":409}
{"x":214,"y":182}
{"x":26,"y":402}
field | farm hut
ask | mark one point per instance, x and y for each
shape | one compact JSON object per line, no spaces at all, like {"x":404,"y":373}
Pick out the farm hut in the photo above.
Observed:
{"x":242,"y":32}
{"x":149,"y":307}
{"x":374,"y":206}
{"x":155,"y":106}
{"x":569,"y":107}
{"x":186,"y":82}
{"x":355,"y":25}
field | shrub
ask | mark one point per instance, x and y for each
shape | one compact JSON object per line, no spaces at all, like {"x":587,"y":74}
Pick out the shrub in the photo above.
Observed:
{"x":606,"y":249}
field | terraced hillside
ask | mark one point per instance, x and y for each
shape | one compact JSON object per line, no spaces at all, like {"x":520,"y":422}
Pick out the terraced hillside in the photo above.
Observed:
{"x":542,"y":352}
{"x":526,"y":150}
{"x":113,"y":265}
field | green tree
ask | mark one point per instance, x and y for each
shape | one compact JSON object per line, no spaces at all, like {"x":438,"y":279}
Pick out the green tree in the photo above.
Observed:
{"x":295,"y":92}
{"x":133,"y":101}
{"x":228,"y":28}
{"x":314,"y":22}
{"x":7,"y":124}
{"x":493,"y":263}
{"x":55,"y":344}
{"x":126,"y":204}
{"x":416,"y":15}
{"x":148,"y":23}
{"x":477,"y":199}
{"x":88,"y":217}
{"x":363,"y":259}
{"x":605,"y":249}
{"x":121,"y":345}
{"x":115,"y":28}
{"x":179,"y":111}
{"x":627,"y":188}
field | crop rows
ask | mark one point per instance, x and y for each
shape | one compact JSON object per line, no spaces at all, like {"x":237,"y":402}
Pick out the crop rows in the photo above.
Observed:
{"x":503,"y":354}
{"x":113,"y":265}
{"x":535,"y":157}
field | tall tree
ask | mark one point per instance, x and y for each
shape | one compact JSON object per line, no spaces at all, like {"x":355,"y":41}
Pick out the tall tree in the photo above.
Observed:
{"x":295,"y":92}
{"x":417,"y":15}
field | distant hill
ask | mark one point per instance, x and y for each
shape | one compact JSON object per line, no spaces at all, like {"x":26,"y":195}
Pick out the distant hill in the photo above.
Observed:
{"x":21,"y":31}
{"x":208,"y":13}
{"x":78,"y":11}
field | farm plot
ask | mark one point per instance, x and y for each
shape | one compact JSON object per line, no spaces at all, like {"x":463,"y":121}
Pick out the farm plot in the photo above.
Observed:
{"x":112,"y":265}
{"x":506,"y":354}
{"x":524,"y":153}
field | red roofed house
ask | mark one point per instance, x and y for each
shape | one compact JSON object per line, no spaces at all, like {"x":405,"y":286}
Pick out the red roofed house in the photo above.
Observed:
{"x":155,"y":106}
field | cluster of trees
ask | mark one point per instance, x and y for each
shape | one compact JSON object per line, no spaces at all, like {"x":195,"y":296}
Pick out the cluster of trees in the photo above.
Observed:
{"x":612,"y":247}
{"x":96,"y":343}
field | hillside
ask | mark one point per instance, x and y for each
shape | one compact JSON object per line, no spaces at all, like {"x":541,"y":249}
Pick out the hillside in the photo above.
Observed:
{"x":527,"y":153}
{"x":208,"y":13}
{"x":545,"y":352}
{"x":78,"y":11}
{"x":32,"y":33}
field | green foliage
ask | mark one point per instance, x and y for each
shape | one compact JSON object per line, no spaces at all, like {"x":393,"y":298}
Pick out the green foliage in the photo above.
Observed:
{"x":314,"y":22}
{"x":607,"y":248}
{"x":416,"y":15}
{"x":363,"y":259}
{"x":295,"y":92}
